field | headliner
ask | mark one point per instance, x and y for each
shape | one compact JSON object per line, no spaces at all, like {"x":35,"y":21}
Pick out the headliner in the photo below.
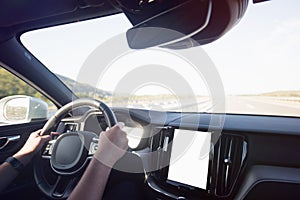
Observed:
{"x":18,"y":16}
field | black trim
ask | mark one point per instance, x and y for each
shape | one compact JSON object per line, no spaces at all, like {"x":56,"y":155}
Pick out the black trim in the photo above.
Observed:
{"x":279,"y":125}
{"x":261,"y":173}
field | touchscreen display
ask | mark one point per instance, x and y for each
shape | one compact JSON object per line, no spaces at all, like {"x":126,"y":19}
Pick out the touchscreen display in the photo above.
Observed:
{"x":189,"y":160}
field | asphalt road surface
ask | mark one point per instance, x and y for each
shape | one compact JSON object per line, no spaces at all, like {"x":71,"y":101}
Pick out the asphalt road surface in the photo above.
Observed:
{"x":262,"y":105}
{"x":233,"y":104}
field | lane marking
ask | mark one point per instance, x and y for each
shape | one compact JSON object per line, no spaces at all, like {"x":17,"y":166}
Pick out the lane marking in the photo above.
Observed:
{"x":250,"y":106}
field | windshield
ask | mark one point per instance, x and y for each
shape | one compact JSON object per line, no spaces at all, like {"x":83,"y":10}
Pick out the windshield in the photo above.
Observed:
{"x":253,"y":69}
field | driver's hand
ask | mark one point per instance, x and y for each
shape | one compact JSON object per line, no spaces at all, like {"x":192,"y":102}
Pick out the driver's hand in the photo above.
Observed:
{"x":112,"y":145}
{"x":33,"y":144}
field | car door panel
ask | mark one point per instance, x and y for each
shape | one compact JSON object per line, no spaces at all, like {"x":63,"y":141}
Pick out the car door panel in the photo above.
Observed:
{"x":23,"y":186}
{"x":19,"y":130}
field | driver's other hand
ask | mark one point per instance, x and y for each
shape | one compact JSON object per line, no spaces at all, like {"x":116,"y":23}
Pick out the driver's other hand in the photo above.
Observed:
{"x":33,"y":144}
{"x":112,"y":145}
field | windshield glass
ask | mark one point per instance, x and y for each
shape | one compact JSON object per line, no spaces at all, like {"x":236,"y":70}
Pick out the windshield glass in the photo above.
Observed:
{"x":253,"y":69}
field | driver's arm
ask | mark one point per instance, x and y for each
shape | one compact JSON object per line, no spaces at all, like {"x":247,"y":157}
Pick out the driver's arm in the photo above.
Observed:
{"x":33,"y":144}
{"x":111,"y":147}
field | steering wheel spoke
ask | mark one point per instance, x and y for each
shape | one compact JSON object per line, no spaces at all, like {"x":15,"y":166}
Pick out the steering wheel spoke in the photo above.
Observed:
{"x":47,"y":152}
{"x":63,"y":186}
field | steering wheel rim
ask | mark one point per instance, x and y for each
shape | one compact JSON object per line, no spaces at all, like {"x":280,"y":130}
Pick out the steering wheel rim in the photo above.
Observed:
{"x":39,"y":176}
{"x":109,"y":115}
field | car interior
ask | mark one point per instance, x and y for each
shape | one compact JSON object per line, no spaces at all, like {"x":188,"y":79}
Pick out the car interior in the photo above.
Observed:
{"x":177,"y":148}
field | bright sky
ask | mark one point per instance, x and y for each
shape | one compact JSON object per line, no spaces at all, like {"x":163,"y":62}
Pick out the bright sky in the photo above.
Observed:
{"x":259,"y":55}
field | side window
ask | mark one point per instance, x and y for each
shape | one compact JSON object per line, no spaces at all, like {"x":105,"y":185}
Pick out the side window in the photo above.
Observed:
{"x":20,"y":103}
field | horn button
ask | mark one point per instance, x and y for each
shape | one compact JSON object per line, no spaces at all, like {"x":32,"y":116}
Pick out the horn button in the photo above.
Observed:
{"x":70,"y":152}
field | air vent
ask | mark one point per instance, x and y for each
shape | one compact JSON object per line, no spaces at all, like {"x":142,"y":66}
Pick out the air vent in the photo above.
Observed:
{"x":232,"y":151}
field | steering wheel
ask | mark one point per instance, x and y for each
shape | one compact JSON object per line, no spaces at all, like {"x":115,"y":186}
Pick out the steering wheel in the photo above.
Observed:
{"x":69,"y":154}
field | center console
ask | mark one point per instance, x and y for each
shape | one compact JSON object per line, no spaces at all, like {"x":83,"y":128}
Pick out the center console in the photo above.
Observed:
{"x":188,"y":165}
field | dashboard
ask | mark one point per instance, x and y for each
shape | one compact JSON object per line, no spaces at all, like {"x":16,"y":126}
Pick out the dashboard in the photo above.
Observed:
{"x":252,"y":156}
{"x":181,"y":160}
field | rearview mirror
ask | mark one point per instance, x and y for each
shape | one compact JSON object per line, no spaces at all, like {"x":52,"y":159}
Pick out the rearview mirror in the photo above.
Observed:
{"x":22,"y":109}
{"x":179,"y":24}
{"x":172,"y":25}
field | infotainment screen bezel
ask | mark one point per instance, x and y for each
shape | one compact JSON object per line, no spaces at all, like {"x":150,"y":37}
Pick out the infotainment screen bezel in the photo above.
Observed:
{"x":162,"y":143}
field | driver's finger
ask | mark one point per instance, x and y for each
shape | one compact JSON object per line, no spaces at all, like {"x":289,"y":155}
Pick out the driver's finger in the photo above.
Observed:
{"x":46,"y":138}
{"x":36,"y":133}
{"x":54,"y":135}
{"x":121,"y":125}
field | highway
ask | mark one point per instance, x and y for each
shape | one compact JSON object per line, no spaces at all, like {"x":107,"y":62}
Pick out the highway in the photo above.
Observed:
{"x":234,"y":104}
{"x":262,"y":105}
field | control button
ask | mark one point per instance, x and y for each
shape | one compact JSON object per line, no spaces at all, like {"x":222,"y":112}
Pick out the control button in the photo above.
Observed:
{"x":93,"y":148}
{"x":49,"y":148}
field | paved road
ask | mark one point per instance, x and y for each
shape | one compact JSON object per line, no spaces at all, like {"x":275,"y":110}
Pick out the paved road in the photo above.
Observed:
{"x":262,"y":105}
{"x":234,"y":104}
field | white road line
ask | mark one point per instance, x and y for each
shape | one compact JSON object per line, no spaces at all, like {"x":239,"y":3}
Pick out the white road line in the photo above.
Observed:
{"x":250,"y":106}
{"x":272,"y":102}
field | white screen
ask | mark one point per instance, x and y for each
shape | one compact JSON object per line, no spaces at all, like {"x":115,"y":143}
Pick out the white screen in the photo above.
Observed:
{"x":191,"y":166}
